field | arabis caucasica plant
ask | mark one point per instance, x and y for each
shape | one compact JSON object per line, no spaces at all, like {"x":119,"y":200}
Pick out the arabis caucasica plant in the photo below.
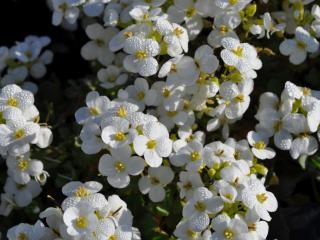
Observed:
{"x":171,"y":84}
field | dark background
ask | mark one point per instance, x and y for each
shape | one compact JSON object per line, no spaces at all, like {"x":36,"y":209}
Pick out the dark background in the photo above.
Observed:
{"x":298,"y":216}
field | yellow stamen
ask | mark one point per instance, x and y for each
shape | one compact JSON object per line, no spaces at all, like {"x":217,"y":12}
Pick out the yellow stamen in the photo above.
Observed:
{"x":228,"y":234}
{"x":81,"y":222}
{"x":120,"y":136}
{"x":151,"y":144}
{"x":195,"y":156}
{"x":141,"y":55}
{"x":199,"y":206}
{"x":260,"y":145}
{"x":23,"y":164}
{"x":19,"y":133}
{"x":238,"y":51}
{"x":12,"y":102}
{"x":262,"y":197}
{"x":122,"y":112}
{"x":81,"y":192}
{"x":119,"y":166}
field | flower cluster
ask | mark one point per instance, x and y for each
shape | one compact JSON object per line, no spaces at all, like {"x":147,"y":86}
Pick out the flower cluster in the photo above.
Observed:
{"x":172,"y":72}
{"x":222,"y":185}
{"x":84,"y":214}
{"x":19,"y":129}
{"x":24,"y":59}
{"x":292,"y":120}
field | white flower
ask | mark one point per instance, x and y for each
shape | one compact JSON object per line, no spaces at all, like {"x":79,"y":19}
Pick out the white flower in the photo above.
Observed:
{"x":13,"y":96}
{"x":141,"y":59}
{"x":189,"y":182}
{"x":303,"y":145}
{"x":216,"y":153}
{"x":153,"y":144}
{"x":184,"y":232}
{"x":224,"y":25}
{"x":198,"y":208}
{"x":234,"y":5}
{"x":17,"y":135}
{"x":191,"y":155}
{"x":80,"y":220}
{"x":186,"y":135}
{"x":115,"y":132}
{"x":255,"y":196}
{"x":119,"y":165}
{"x":155,"y":181}
{"x":242,"y":56}
{"x":184,"y":71}
{"x":298,"y":47}
{"x":259,"y":142}
{"x":64,"y":10}
{"x":141,"y":93}
{"x":22,"y":194}
{"x":143,"y":13}
{"x":27,"y":231}
{"x":22,"y":168}
{"x":98,"y":47}
{"x":206,"y":61}
{"x":111,"y":77}
{"x":175,"y":36}
{"x":90,"y":136}
{"x":80,"y":189}
{"x":96,"y":108}
{"x":226,"y":228}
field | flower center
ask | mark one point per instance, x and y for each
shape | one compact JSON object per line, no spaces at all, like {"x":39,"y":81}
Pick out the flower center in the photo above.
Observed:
{"x":154,"y":181}
{"x":239,"y":98}
{"x":252,"y":227}
{"x":12,"y":102}
{"x":2,"y":120}
{"x":228,"y":234}
{"x":122,"y":112}
{"x":19,"y":133}
{"x":172,"y":113}
{"x":260,"y":145}
{"x":261,"y":197}
{"x":128,"y":34}
{"x":81,"y":192}
{"x":228,"y":196}
{"x":187,"y":186}
{"x":151,"y":144}
{"x":113,"y":237}
{"x":306,"y":91}
{"x":23,"y":164}
{"x":99,"y":42}
{"x":178,"y":31}
{"x":166,"y":92}
{"x":301,"y":45}
{"x":22,"y":236}
{"x":81,"y":222}
{"x":195,"y":156}
{"x":191,"y":12}
{"x":191,"y":234}
{"x":140,"y":95}
{"x":120,"y":136}
{"x":224,"y":29}
{"x":277,"y":126}
{"x":94,"y":111}
{"x":238,"y":51}
{"x":173,"y":68}
{"x":63,"y":7}
{"x":199,"y":206}
{"x":119,"y":166}
{"x":141,"y":55}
